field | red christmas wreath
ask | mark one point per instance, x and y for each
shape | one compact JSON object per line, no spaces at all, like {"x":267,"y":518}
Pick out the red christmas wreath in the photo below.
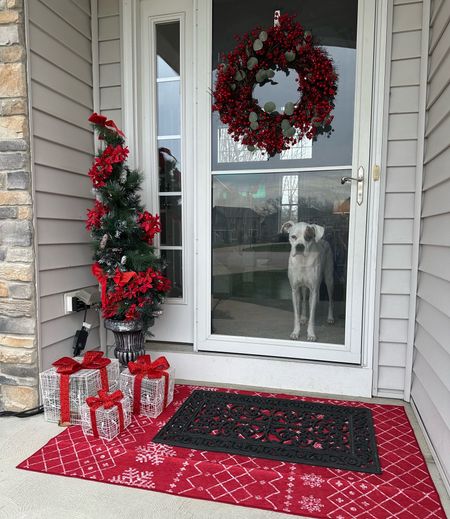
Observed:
{"x":285,"y":46}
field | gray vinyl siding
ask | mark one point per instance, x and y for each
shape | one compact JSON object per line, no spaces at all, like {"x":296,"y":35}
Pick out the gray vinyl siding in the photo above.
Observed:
{"x":109,"y":59}
{"x":63,"y":146}
{"x":401,"y":171}
{"x":431,"y":367}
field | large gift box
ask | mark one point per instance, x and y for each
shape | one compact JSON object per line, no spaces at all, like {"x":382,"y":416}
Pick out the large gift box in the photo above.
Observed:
{"x":149,"y":385}
{"x":106,"y":415}
{"x":66,"y":385}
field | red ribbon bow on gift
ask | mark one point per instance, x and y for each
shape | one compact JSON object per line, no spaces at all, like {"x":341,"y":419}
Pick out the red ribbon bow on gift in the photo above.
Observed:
{"x":65,"y":367}
{"x":142,"y":368}
{"x":101,"y":120}
{"x":95,"y":360}
{"x":107,"y":401}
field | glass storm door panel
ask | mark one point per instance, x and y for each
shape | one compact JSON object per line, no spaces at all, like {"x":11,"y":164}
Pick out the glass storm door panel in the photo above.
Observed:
{"x":166,"y":156}
{"x":287,"y":237}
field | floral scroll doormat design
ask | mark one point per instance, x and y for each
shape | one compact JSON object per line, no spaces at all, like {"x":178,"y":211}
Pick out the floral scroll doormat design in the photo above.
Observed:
{"x":324,"y":435}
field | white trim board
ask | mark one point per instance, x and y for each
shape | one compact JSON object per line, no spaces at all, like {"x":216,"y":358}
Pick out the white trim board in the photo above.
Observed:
{"x":380,"y":122}
{"x":430,"y":446}
{"x":130,"y":80}
{"x":283,"y":374}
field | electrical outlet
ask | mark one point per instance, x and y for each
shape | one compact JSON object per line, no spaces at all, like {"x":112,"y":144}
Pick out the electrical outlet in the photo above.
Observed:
{"x":76,"y":300}
{"x":69,"y":302}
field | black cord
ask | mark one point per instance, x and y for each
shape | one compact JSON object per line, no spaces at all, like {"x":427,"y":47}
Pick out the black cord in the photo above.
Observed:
{"x":85,"y":313}
{"x":24,"y":414}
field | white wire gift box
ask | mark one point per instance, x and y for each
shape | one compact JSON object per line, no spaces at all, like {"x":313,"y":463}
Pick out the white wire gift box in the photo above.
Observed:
{"x":66,"y":385}
{"x":95,"y":360}
{"x":106,"y":415}
{"x":149,"y":385}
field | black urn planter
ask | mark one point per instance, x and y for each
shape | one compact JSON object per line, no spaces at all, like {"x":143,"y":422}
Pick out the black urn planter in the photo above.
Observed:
{"x":129,"y":339}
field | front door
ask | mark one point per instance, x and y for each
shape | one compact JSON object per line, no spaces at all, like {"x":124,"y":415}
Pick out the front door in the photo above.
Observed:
{"x":252,"y":211}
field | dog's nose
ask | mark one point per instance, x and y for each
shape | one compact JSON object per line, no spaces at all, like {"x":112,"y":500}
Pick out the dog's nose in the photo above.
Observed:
{"x":300,"y":247}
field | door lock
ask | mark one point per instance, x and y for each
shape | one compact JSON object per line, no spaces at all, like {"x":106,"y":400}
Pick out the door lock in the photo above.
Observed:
{"x":360,"y":180}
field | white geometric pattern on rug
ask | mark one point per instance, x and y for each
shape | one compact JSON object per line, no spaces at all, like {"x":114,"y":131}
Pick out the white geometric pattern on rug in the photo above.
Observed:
{"x":290,"y":488}
{"x":238,"y":479}
{"x":93,"y":456}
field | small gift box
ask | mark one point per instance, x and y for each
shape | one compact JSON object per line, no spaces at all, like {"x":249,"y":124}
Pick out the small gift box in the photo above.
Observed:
{"x":66,"y":385}
{"x":149,"y":385}
{"x":106,"y":415}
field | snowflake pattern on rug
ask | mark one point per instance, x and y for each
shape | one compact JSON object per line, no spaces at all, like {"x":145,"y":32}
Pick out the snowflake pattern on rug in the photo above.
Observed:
{"x":404,"y":490}
{"x":133,"y":478}
{"x":154,"y":453}
{"x":312,"y":480}
{"x":311,"y":503}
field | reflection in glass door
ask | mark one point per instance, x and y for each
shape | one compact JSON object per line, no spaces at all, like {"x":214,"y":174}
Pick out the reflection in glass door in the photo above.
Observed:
{"x":168,"y":128}
{"x":251,"y":219}
{"x":287,"y":237}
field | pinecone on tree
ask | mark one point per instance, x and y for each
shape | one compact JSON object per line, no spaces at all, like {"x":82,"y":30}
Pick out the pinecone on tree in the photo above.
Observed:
{"x":126,"y":265}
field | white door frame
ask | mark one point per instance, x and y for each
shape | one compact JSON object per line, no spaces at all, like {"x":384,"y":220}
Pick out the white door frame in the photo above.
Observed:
{"x":343,"y":379}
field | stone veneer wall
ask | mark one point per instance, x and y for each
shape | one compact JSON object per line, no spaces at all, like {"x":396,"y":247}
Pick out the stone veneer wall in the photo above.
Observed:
{"x":18,"y":343}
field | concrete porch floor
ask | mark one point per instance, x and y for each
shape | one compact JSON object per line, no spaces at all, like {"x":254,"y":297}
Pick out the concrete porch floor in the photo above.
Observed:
{"x":30,"y":495}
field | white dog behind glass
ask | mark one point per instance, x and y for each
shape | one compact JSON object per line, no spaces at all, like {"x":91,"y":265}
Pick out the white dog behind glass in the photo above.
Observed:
{"x":310,"y":262}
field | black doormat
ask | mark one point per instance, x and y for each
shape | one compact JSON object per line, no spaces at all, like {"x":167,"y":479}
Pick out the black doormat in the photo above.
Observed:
{"x":325,"y":435}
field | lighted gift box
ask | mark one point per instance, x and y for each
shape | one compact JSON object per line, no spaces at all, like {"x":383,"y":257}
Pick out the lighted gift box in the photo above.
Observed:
{"x":66,"y":385}
{"x":106,"y":415}
{"x":112,"y":368}
{"x":149,"y":385}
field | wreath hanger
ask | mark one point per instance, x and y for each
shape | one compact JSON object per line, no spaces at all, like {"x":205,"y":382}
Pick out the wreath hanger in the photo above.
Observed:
{"x":276,"y":16}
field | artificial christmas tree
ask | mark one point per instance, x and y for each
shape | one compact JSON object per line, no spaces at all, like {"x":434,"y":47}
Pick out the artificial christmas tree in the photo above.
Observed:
{"x":126,"y":265}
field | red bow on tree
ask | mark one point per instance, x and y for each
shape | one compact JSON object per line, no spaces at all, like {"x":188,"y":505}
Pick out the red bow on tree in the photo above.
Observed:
{"x":142,"y":368}
{"x":65,"y":366}
{"x":101,"y":120}
{"x":107,"y":401}
{"x":95,"y":360}
{"x":122,"y":278}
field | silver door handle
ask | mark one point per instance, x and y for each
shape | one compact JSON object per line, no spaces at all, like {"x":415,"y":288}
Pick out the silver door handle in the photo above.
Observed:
{"x":360,"y":180}
{"x":344,"y":180}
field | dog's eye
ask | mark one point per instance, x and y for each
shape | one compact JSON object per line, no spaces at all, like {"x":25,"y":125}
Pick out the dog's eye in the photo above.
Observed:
{"x":294,"y":237}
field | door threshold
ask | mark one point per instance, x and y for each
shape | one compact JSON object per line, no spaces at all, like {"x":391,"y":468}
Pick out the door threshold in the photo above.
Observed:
{"x":255,"y":371}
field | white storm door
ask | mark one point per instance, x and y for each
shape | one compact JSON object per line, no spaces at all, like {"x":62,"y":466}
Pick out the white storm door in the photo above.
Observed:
{"x":165,"y":59}
{"x":244,"y":295}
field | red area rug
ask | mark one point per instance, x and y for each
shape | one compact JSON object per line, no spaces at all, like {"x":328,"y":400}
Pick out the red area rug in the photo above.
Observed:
{"x":403,"y":490}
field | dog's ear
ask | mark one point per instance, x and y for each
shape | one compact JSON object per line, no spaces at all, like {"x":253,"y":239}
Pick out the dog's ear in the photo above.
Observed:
{"x":319,"y":230}
{"x":286,"y":226}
